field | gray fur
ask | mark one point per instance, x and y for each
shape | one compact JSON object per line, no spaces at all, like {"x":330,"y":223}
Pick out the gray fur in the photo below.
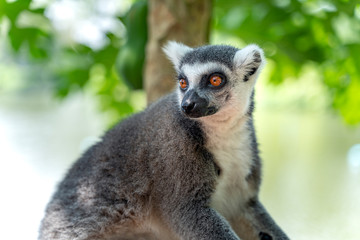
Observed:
{"x":212,"y":53}
{"x":155,"y":176}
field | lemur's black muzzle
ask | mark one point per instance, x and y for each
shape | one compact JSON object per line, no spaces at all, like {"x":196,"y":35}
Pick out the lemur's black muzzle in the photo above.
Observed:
{"x":195,"y":106}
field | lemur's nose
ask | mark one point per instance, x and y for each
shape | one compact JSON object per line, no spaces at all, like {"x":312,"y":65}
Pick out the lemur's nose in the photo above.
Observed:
{"x":193,"y":105}
{"x":188,"y":106}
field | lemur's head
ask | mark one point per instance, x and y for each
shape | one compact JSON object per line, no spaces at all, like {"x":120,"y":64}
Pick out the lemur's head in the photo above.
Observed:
{"x":215,"y":79}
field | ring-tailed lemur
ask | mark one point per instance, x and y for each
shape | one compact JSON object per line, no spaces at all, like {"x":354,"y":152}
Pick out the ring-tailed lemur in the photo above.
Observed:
{"x":187,"y":167}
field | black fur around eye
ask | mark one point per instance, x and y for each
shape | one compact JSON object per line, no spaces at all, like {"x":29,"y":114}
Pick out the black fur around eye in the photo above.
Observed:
{"x":183,"y":83}
{"x":216,"y":80}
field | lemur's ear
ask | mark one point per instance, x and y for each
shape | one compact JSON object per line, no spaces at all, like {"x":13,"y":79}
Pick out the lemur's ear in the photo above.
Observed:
{"x":249,"y":60}
{"x":175,"y":52}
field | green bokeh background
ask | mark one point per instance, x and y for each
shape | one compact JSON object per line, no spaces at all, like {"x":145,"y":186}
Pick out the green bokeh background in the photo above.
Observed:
{"x":295,"y":34}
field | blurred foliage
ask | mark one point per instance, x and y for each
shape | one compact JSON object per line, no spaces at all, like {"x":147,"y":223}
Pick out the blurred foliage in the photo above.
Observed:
{"x":296,"y":32}
{"x":37,"y":40}
{"x":76,"y":66}
{"x":293,"y":33}
{"x":131,"y":57}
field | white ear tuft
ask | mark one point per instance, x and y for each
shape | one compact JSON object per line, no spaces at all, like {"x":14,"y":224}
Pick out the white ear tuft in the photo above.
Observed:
{"x":250,"y":59}
{"x":175,"y":52}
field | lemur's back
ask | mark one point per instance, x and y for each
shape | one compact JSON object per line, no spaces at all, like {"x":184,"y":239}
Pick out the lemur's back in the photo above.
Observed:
{"x":108,"y":189}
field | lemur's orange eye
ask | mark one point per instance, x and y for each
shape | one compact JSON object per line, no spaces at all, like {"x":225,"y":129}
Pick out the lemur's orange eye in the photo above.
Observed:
{"x":215,"y":80}
{"x":183,"y":83}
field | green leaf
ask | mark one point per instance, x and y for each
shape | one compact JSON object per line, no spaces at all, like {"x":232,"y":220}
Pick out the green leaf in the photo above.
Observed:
{"x":13,"y":9}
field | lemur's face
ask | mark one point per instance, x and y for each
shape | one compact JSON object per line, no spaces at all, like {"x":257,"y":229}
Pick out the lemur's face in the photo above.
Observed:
{"x":204,"y":88}
{"x":215,"y":80}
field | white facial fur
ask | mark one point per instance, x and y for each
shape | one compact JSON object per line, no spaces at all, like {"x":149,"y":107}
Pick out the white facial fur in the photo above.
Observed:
{"x":194,"y":73}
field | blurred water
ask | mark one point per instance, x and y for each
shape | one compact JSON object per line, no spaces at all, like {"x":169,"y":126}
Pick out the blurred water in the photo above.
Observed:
{"x":310,"y":184}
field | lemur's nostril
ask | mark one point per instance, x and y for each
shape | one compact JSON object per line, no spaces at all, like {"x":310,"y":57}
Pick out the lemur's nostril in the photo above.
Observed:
{"x":187,"y":107}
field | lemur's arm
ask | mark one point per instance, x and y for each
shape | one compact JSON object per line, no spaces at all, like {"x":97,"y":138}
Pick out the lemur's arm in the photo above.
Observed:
{"x":185,"y":206}
{"x":256,"y":223}
{"x":193,"y":220}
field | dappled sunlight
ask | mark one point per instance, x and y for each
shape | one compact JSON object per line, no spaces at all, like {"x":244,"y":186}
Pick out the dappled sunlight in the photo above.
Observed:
{"x":78,"y":22}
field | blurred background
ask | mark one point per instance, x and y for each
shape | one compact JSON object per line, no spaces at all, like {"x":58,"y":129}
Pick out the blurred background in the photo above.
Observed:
{"x":71,"y":69}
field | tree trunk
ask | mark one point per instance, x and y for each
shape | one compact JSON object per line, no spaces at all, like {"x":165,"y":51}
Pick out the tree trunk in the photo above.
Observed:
{"x":186,"y":21}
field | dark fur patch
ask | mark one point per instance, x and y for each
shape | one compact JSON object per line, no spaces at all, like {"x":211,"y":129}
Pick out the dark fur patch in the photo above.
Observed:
{"x":218,"y":53}
{"x":254,"y":177}
{"x":227,"y":97}
{"x":252,"y":104}
{"x":252,"y":202}
{"x":217,"y":169}
{"x":191,"y":127}
{"x":257,"y":57}
{"x":250,"y":73}
{"x":264,"y":236}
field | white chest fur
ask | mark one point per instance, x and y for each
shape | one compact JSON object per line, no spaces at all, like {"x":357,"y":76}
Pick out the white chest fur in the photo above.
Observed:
{"x":231,"y":148}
